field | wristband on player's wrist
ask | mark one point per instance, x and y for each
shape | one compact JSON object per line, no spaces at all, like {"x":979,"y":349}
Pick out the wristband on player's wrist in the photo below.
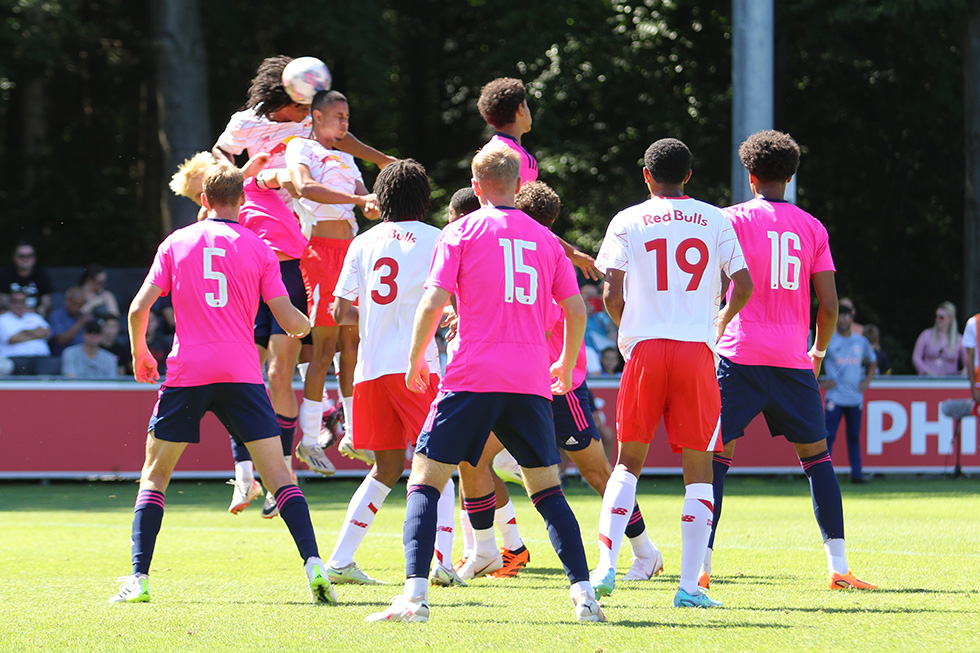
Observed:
{"x":817,"y":353}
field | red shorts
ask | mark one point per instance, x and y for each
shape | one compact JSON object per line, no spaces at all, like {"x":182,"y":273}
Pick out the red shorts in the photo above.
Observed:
{"x":387,"y":415}
{"x":674,"y":380}
{"x":321,"y":264}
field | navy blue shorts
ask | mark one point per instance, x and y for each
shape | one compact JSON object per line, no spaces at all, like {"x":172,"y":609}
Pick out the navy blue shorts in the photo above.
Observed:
{"x":459,"y":423}
{"x":788,"y":398}
{"x":265,"y":322}
{"x":574,"y":425}
{"x":244,"y":408}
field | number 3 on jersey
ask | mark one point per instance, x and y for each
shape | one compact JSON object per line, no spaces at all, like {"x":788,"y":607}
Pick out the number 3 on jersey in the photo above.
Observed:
{"x":513,"y":265}
{"x":387,"y":279}
{"x":694,"y":268}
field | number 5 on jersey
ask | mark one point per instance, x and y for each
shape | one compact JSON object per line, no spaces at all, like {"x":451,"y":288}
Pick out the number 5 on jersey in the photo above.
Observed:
{"x":221,"y":298}
{"x":513,"y":265}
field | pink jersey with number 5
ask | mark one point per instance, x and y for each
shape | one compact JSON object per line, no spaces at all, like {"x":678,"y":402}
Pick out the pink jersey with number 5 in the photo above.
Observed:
{"x":215,"y":271}
{"x":504,"y":269}
{"x":784,"y":245}
{"x":673,"y":251}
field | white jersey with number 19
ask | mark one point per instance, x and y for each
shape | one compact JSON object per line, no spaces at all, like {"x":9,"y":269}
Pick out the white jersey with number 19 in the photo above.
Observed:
{"x":673,"y":251}
{"x":385,"y":271}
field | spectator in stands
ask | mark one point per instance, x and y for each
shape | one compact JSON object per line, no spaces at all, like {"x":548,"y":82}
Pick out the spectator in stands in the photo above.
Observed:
{"x":99,"y":301}
{"x":855,"y":327}
{"x":939,"y":349}
{"x":88,"y":360}
{"x":24,"y":338}
{"x":68,"y":321}
{"x":116,"y":343}
{"x":600,"y":330}
{"x":873,"y":335}
{"x":611,"y":362}
{"x":25,"y":276}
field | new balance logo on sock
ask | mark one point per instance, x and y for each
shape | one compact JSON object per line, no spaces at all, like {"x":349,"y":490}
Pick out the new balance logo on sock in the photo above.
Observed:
{"x":360,"y":524}
{"x":445,"y":529}
{"x":687,"y":517}
{"x":618,"y":511}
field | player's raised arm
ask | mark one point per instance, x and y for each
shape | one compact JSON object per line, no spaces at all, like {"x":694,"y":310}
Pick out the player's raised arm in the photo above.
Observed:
{"x":144,"y":364}
{"x":825,"y":286}
{"x":353,"y":146}
{"x":427,"y":318}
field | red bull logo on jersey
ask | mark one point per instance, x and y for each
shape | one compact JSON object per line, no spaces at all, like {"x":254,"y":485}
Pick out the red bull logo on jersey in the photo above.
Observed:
{"x":675,"y":216}
{"x":333,"y":157}
{"x":280,"y":148}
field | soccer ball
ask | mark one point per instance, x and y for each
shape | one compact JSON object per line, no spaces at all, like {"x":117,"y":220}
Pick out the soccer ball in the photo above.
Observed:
{"x":303,"y":77}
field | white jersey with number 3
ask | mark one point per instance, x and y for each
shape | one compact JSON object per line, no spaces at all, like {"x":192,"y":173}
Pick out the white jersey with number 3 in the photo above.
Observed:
{"x":385,"y":271}
{"x":673,"y":251}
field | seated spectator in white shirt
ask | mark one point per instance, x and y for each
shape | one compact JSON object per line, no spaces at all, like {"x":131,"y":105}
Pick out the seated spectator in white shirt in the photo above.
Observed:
{"x":24,"y":338}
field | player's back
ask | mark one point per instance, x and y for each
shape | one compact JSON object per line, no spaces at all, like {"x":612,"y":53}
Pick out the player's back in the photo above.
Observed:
{"x":505,"y":268}
{"x":246,"y":130}
{"x":672,"y":250}
{"x":529,"y":165}
{"x":385,"y":270}
{"x":215,"y":271}
{"x":783,"y":246}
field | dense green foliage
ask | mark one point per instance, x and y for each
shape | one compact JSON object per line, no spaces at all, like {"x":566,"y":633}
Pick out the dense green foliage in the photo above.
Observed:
{"x":872,"y":92}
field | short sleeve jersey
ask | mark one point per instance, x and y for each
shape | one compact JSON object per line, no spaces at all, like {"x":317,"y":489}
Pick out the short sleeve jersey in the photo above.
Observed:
{"x":529,"y":165}
{"x":556,"y":341}
{"x":504,"y":269}
{"x":334,"y":169}
{"x":673,"y":251}
{"x":970,"y":340}
{"x":267,"y":215}
{"x":246,"y":130}
{"x":783,"y":246}
{"x":846,"y":359}
{"x":215,"y":272}
{"x":385,"y":271}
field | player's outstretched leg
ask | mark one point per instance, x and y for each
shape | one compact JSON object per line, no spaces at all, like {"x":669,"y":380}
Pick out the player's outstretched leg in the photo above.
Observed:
{"x":720,"y":464}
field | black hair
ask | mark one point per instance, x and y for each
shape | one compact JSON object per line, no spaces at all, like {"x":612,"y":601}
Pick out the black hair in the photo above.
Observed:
{"x":267,"y":94}
{"x":539,"y":201}
{"x":464,"y":201}
{"x":403,"y":191}
{"x":324,"y":99}
{"x":500,"y":100}
{"x":668,"y":161}
{"x":90,"y":271}
{"x":770,"y":155}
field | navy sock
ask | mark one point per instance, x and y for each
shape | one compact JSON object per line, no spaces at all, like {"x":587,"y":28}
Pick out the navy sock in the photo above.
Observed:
{"x":635,"y":526}
{"x":419,"y":534}
{"x":481,"y":511}
{"x":564,"y":532}
{"x":287,"y":432}
{"x":296,"y":513}
{"x":827,"y":506}
{"x":719,"y":466}
{"x":147,"y":517}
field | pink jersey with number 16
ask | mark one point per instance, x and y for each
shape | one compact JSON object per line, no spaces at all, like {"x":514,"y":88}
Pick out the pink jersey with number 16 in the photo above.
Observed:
{"x":215,"y":271}
{"x":504,"y":269}
{"x":783,"y":246}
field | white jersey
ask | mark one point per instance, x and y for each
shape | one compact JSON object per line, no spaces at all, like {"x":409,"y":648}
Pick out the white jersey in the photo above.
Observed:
{"x":385,"y":271}
{"x":248,"y":131}
{"x":334,"y":169}
{"x":673,"y":251}
{"x":970,"y":340}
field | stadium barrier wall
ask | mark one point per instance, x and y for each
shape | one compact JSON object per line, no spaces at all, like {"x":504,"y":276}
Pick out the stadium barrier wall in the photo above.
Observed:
{"x":96,"y":430}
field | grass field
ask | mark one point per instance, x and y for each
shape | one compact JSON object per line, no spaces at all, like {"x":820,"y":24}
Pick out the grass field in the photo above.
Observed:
{"x":223,"y":582}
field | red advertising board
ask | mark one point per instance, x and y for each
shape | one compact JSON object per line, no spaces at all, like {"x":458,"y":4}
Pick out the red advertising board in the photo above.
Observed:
{"x":75,"y":429}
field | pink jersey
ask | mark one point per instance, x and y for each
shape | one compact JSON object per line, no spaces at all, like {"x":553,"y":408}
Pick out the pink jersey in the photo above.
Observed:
{"x":215,"y":270}
{"x":529,"y":165}
{"x":334,"y":169}
{"x":384,"y":271}
{"x":504,"y":269}
{"x":265,"y":213}
{"x":673,"y":251}
{"x":784,"y":246}
{"x":556,"y":341}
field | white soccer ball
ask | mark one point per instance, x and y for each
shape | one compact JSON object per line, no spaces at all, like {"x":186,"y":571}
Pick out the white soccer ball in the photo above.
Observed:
{"x":303,"y":77}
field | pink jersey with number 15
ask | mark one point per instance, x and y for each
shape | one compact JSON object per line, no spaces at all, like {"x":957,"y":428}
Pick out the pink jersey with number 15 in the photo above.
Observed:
{"x":504,"y":269}
{"x":783,"y":245}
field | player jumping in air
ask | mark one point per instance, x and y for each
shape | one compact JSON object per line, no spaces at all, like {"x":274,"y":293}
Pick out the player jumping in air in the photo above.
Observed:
{"x":765,"y":367}
{"x":664,"y":261}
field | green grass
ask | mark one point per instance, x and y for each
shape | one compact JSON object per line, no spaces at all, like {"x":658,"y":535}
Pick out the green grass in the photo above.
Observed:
{"x":223,"y":582}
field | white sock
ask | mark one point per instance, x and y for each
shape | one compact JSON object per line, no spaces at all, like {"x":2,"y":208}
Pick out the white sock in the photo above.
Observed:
{"x":469,"y":544}
{"x":617,"y":506}
{"x":580,"y":587}
{"x":444,"y":526}
{"x":699,"y":500}
{"x":417,"y":588}
{"x":484,"y":543}
{"x":310,"y":419}
{"x":706,"y":565}
{"x":506,"y":520}
{"x":348,"y":403}
{"x":642,"y":546}
{"x":836,"y":558}
{"x":367,"y":500}
{"x":244,"y":472}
